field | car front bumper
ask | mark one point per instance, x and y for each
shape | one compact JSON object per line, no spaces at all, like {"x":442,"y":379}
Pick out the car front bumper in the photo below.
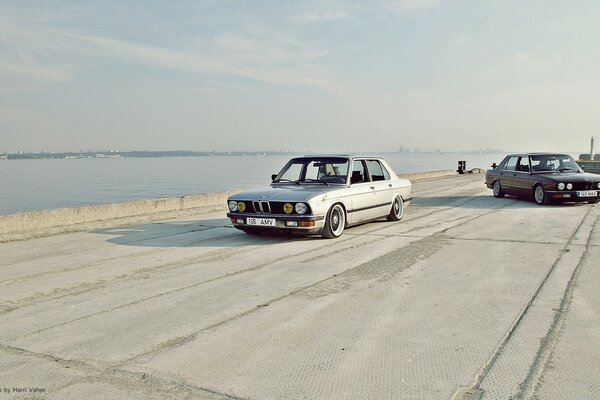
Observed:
{"x":573,"y":195}
{"x":302,"y":224}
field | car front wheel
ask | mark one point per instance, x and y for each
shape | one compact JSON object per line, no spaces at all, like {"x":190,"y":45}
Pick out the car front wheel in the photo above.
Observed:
{"x":335,"y":222}
{"x":497,"y":189}
{"x":539,"y":195}
{"x":397,"y":211}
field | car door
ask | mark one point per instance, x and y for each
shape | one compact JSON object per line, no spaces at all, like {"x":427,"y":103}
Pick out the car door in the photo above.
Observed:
{"x":382,"y":186}
{"x":522,"y":177}
{"x":362,"y":194}
{"x":507,"y":175}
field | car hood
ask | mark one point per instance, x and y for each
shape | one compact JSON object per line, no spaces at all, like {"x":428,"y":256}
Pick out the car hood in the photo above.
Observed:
{"x":293,"y":193}
{"x":572,"y":177}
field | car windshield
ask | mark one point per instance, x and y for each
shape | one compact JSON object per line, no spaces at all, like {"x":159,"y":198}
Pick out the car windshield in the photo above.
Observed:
{"x":553,"y":162}
{"x":314,"y":170}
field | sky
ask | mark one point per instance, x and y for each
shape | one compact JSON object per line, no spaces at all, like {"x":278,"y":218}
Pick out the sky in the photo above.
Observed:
{"x":324,"y":76}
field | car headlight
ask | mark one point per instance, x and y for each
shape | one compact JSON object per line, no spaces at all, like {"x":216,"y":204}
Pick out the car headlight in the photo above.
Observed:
{"x":233,"y":206}
{"x":288,"y":208}
{"x":241,"y":206}
{"x":569,"y":186}
{"x":561,"y":186}
{"x":300,"y":208}
{"x":598,"y":185}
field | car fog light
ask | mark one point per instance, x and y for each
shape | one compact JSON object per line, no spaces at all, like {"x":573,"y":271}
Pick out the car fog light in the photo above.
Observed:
{"x":288,"y":208}
{"x":300,"y":208}
{"x":569,"y":186}
{"x":598,"y":185}
{"x":306,"y":224}
{"x":233,"y":205}
{"x":240,"y":220}
{"x":561,"y":186}
{"x":241,"y":206}
{"x":291,"y":223}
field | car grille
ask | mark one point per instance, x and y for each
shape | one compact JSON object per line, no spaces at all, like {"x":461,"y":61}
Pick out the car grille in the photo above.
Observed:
{"x":265,"y":207}
{"x":261,"y":207}
{"x":585,"y":185}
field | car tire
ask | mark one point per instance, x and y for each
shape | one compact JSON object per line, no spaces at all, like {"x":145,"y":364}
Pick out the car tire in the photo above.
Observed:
{"x":539,"y":195}
{"x":335,"y":222}
{"x":397,"y":211}
{"x":497,"y":189}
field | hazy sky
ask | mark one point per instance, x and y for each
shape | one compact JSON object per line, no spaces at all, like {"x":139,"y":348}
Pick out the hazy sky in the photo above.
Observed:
{"x":303,"y":75}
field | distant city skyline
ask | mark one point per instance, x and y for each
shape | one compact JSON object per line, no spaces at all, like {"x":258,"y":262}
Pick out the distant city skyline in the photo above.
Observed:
{"x":338,"y":76}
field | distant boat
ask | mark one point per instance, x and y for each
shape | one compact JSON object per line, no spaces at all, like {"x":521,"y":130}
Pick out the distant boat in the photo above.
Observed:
{"x":590,"y":162}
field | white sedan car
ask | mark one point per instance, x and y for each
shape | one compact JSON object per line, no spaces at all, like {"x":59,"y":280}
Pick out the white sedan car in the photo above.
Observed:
{"x":322,"y":195}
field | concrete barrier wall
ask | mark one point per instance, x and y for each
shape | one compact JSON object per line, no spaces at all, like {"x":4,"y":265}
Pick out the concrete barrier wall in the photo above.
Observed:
{"x":417,"y":176}
{"x":41,"y":223}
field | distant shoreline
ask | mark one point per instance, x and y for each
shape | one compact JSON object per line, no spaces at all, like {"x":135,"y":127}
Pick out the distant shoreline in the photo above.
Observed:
{"x":157,"y":154}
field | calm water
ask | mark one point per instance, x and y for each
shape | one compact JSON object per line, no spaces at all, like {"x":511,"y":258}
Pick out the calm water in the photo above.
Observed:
{"x":30,"y":185}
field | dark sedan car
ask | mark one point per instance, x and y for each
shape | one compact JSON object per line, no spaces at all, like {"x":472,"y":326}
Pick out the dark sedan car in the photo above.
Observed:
{"x":545,"y":177}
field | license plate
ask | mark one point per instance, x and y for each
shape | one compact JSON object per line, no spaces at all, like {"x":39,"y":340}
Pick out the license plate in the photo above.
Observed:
{"x":260,"y":221}
{"x":587,"y":193}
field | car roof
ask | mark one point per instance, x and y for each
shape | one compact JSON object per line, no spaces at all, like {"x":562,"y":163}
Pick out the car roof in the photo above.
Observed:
{"x":339,"y":156}
{"x":538,"y":154}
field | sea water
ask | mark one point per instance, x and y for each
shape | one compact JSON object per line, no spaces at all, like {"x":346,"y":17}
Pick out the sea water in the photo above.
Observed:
{"x":31,"y":185}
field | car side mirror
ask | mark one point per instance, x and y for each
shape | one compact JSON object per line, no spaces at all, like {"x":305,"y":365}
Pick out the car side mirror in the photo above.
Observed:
{"x":494,"y":165}
{"x":273,"y":177}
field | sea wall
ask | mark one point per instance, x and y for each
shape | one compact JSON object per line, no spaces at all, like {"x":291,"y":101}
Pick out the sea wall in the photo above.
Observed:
{"x":417,"y":176}
{"x":42,"y":223}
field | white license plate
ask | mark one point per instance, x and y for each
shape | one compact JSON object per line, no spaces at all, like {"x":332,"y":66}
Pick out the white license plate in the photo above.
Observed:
{"x":587,"y":193}
{"x":260,"y":221}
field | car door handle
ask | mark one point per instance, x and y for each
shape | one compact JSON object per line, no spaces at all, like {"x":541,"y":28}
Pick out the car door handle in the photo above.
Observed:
{"x":390,"y":185}
{"x":372,"y":187}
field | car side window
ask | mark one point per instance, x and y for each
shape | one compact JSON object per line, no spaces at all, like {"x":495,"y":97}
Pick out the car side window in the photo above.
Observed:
{"x":523,"y":164}
{"x":511,"y":164}
{"x":376,"y":171}
{"x":358,"y":172}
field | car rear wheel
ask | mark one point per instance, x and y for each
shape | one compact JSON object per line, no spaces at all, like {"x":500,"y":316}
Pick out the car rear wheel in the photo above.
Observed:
{"x":497,"y":189}
{"x":397,"y":211}
{"x":335,"y":222}
{"x":539,"y":195}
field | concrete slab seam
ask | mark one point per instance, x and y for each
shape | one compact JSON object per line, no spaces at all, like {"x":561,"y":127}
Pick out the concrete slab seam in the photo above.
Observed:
{"x":96,"y":374}
{"x":144,"y":271}
{"x":83,"y":288}
{"x":531,"y":384}
{"x":181,"y":340}
{"x":475,"y":387}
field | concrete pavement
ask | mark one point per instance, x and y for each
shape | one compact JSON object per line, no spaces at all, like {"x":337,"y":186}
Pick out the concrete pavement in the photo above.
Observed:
{"x":468,"y":297}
